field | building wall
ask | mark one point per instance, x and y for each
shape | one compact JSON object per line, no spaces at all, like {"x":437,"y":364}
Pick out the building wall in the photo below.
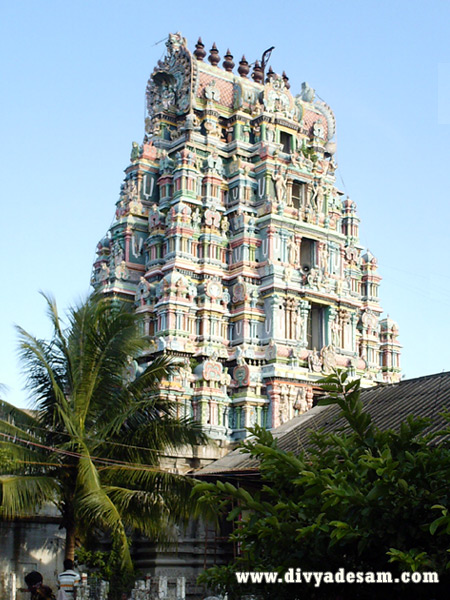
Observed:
{"x":34,"y":544}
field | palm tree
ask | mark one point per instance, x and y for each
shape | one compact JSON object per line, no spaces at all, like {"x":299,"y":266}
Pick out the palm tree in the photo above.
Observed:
{"x":93,"y":443}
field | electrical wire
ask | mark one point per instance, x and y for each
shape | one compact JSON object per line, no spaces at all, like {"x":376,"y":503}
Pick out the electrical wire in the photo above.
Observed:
{"x":98,"y":441}
{"x":105,"y":461}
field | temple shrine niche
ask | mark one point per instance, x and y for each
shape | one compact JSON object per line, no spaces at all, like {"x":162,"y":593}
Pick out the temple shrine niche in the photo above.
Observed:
{"x":237,"y":248}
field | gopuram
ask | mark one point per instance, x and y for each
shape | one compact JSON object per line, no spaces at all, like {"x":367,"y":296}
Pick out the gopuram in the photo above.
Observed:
{"x":238,"y":250}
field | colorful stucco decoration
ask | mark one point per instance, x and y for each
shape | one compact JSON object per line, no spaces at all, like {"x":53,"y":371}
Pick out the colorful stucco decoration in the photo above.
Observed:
{"x":238,"y":249}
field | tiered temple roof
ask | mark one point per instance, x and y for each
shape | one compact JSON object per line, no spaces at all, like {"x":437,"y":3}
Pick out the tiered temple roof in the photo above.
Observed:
{"x":238,"y":249}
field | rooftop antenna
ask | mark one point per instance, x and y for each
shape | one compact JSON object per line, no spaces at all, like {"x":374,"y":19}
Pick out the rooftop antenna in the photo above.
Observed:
{"x":265,"y":59}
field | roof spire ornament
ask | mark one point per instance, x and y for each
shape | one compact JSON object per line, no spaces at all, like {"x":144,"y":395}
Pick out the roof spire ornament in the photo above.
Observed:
{"x":257,"y":74}
{"x":286,"y":80}
{"x":270,"y":75}
{"x":243,"y":68}
{"x":199,"y":51}
{"x":228,"y":63}
{"x":214,"y":57}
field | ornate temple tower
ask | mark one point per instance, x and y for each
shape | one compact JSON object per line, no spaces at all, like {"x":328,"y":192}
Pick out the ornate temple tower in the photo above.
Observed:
{"x":238,"y":250}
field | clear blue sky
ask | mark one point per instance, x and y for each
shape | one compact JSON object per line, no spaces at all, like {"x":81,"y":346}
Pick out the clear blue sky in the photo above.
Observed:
{"x":73,"y":98}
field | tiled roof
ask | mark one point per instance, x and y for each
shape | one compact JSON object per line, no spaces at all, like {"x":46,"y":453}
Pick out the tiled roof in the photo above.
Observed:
{"x":388,"y":405}
{"x":225,"y":88}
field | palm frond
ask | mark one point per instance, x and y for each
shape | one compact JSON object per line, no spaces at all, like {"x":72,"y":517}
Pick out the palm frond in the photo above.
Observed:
{"x":95,"y":507}
{"x":24,"y":495}
{"x":45,"y":373}
{"x":95,"y":442}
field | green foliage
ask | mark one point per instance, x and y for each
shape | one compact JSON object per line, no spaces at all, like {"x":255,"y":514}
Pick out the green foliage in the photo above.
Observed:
{"x":309,"y":153}
{"x":107,"y":566}
{"x":360,"y":499}
{"x":6,"y":462}
{"x":92,"y":444}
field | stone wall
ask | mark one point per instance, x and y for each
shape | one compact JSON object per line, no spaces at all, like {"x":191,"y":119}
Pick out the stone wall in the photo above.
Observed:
{"x":30,"y":545}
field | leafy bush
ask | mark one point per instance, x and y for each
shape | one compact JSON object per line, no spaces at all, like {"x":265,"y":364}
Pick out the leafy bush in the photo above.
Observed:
{"x":360,"y":498}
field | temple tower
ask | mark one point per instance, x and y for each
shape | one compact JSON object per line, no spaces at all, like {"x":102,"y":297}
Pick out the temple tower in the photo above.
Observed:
{"x":237,"y":248}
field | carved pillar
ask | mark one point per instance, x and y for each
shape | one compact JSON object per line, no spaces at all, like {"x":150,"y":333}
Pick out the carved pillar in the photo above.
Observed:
{"x":298,"y":242}
{"x":305,"y":307}
{"x":353,"y":322}
{"x":332,"y":328}
{"x":309,"y":397}
{"x":289,"y":192}
{"x":268,"y":182}
{"x":273,"y":302}
{"x":128,"y":234}
{"x":342,"y":261}
{"x":139,"y":177}
{"x":280,"y":322}
{"x":271,"y":243}
{"x":287,"y":313}
{"x":274,"y":396}
{"x":344,"y":319}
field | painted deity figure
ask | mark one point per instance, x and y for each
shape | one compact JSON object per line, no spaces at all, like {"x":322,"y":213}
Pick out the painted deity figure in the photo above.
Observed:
{"x":293,"y":254}
{"x":301,"y":403}
{"x":317,"y":197}
{"x":118,"y":254}
{"x":323,"y":257}
{"x":196,"y":218}
{"x":280,"y":185}
{"x":335,"y":333}
{"x":297,"y":323}
{"x":283,"y":412}
{"x":135,"y":151}
{"x":270,"y":133}
{"x":298,"y":159}
{"x":315,"y":361}
{"x":240,"y":359}
{"x":328,"y":358}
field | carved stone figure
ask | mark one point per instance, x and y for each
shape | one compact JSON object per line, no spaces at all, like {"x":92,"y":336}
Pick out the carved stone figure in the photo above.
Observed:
{"x":318,"y":130}
{"x":270,"y":133}
{"x":283,"y":411}
{"x":239,"y":354}
{"x":118,"y":253}
{"x":214,"y":162}
{"x":293,"y":251}
{"x":129,"y":190}
{"x":297,"y":326}
{"x":212,"y":92}
{"x":196,"y":218}
{"x":319,"y":195}
{"x":121,"y":271}
{"x":280,"y":185}
{"x":135,"y":151}
{"x":101,"y":275}
{"x":335,"y":333}
{"x":323,"y":257}
{"x":301,"y":404}
{"x":328,"y":358}
{"x":169,"y":85}
{"x":307,"y":93}
{"x":136,"y":207}
{"x":271,"y":351}
{"x":315,"y":361}
{"x":225,"y":225}
{"x":298,"y":160}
